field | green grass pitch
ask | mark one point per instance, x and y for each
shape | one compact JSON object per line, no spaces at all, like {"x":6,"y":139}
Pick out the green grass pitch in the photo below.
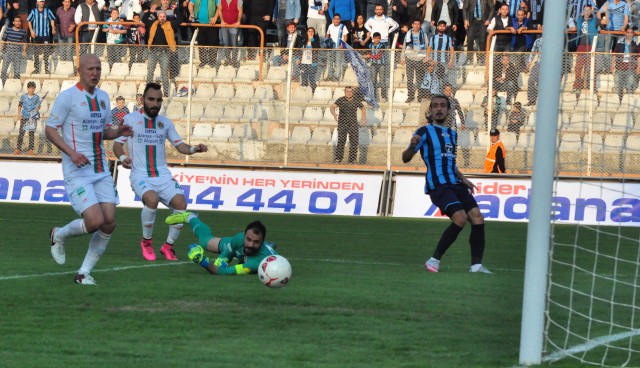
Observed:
{"x":359,"y":297}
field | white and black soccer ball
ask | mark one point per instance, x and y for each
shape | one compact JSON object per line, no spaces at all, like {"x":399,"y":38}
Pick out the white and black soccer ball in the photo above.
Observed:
{"x":274,"y":271}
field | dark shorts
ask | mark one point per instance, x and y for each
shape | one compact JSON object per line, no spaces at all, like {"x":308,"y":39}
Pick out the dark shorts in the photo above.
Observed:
{"x":451,"y":198}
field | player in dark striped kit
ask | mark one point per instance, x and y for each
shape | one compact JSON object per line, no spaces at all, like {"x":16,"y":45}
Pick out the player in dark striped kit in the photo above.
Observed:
{"x":446,"y":186}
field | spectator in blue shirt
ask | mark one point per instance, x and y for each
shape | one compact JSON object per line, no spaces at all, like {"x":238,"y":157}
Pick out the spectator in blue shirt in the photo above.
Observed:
{"x":347,"y":11}
{"x":27,"y":109}
{"x":15,"y":49}
{"x":285,"y":12}
{"x":42,"y":26}
{"x":614,"y":14}
{"x":378,"y":62}
{"x":413,"y":54}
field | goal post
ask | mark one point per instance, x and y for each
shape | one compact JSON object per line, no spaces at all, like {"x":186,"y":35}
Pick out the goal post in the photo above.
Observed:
{"x":539,"y":230}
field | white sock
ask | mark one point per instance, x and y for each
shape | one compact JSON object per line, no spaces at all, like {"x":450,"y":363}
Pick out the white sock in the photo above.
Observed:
{"x":74,"y":228}
{"x":97,"y":246}
{"x":174,"y":230}
{"x":148,"y":217}
{"x":174,"y":233}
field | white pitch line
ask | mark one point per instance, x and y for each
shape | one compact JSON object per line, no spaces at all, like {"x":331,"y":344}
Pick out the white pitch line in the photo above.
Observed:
{"x":122,"y":268}
{"x":590,"y":345}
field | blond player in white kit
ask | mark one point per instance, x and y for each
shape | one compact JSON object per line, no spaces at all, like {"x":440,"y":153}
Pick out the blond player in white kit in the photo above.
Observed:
{"x":83,"y":114}
{"x":150,"y":177}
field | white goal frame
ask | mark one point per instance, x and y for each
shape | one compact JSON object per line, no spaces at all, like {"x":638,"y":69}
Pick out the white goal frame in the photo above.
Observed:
{"x":539,"y":230}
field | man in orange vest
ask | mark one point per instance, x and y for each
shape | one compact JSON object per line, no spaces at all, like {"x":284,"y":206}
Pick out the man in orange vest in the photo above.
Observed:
{"x":494,"y":163}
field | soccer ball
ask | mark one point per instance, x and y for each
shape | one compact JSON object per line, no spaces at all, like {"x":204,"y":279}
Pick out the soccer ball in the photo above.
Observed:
{"x":274,"y":271}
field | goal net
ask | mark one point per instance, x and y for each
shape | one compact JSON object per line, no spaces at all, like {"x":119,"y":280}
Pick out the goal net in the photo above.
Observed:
{"x":592,"y":311}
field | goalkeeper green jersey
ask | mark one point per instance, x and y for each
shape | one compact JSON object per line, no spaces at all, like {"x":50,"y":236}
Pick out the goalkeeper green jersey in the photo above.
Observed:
{"x":232,"y":247}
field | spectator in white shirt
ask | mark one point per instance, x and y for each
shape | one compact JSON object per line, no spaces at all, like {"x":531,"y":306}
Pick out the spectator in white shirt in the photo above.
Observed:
{"x":335,"y":59}
{"x":128,"y":8}
{"x":382,"y":24}
{"x":316,"y":17}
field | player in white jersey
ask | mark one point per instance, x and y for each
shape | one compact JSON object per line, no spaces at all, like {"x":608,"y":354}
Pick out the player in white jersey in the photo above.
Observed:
{"x":150,"y":177}
{"x":83,"y":114}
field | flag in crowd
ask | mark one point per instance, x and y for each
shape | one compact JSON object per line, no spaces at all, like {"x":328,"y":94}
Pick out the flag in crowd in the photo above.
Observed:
{"x":362,"y":73}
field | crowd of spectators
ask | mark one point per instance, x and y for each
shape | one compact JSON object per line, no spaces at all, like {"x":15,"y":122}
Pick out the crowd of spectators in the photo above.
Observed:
{"x":429,"y":32}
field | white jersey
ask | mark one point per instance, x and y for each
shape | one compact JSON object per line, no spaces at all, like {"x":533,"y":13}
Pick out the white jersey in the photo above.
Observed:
{"x":146,"y":145}
{"x":82,"y":117}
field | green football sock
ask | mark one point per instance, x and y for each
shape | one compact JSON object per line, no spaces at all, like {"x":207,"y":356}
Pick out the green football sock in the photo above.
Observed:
{"x":201,"y":231}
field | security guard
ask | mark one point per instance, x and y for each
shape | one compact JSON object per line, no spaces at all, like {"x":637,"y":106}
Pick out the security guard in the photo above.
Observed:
{"x":494,"y":162}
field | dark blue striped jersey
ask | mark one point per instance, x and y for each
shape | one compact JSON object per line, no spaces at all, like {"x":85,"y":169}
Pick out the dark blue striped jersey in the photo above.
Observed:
{"x":438,"y":149}
{"x":41,"y":21}
{"x":441,"y":45}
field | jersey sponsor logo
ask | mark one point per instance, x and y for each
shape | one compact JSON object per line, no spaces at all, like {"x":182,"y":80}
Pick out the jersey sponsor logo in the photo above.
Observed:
{"x":449,"y":151}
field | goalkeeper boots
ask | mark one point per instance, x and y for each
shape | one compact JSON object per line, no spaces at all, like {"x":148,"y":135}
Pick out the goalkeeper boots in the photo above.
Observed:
{"x":179,"y":217}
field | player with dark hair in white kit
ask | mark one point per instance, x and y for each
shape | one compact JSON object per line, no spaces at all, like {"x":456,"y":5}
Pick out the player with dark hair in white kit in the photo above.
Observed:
{"x":150,"y":177}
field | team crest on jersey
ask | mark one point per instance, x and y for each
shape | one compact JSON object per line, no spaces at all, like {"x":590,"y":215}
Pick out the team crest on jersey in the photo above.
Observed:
{"x":160,"y":125}
{"x":103,"y":105}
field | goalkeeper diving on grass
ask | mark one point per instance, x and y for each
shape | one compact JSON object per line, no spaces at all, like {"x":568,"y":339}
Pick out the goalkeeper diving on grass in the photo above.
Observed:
{"x":249,"y":248}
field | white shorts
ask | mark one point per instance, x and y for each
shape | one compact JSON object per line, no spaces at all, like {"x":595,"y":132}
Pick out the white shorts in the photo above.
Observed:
{"x":84,"y":192}
{"x":165,"y":186}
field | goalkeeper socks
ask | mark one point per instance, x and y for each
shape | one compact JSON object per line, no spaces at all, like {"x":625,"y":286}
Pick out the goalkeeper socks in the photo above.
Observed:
{"x":476,"y":240}
{"x":74,"y":228}
{"x":448,"y":237}
{"x":148,"y":217}
{"x":97,"y":246}
{"x":201,"y":230}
